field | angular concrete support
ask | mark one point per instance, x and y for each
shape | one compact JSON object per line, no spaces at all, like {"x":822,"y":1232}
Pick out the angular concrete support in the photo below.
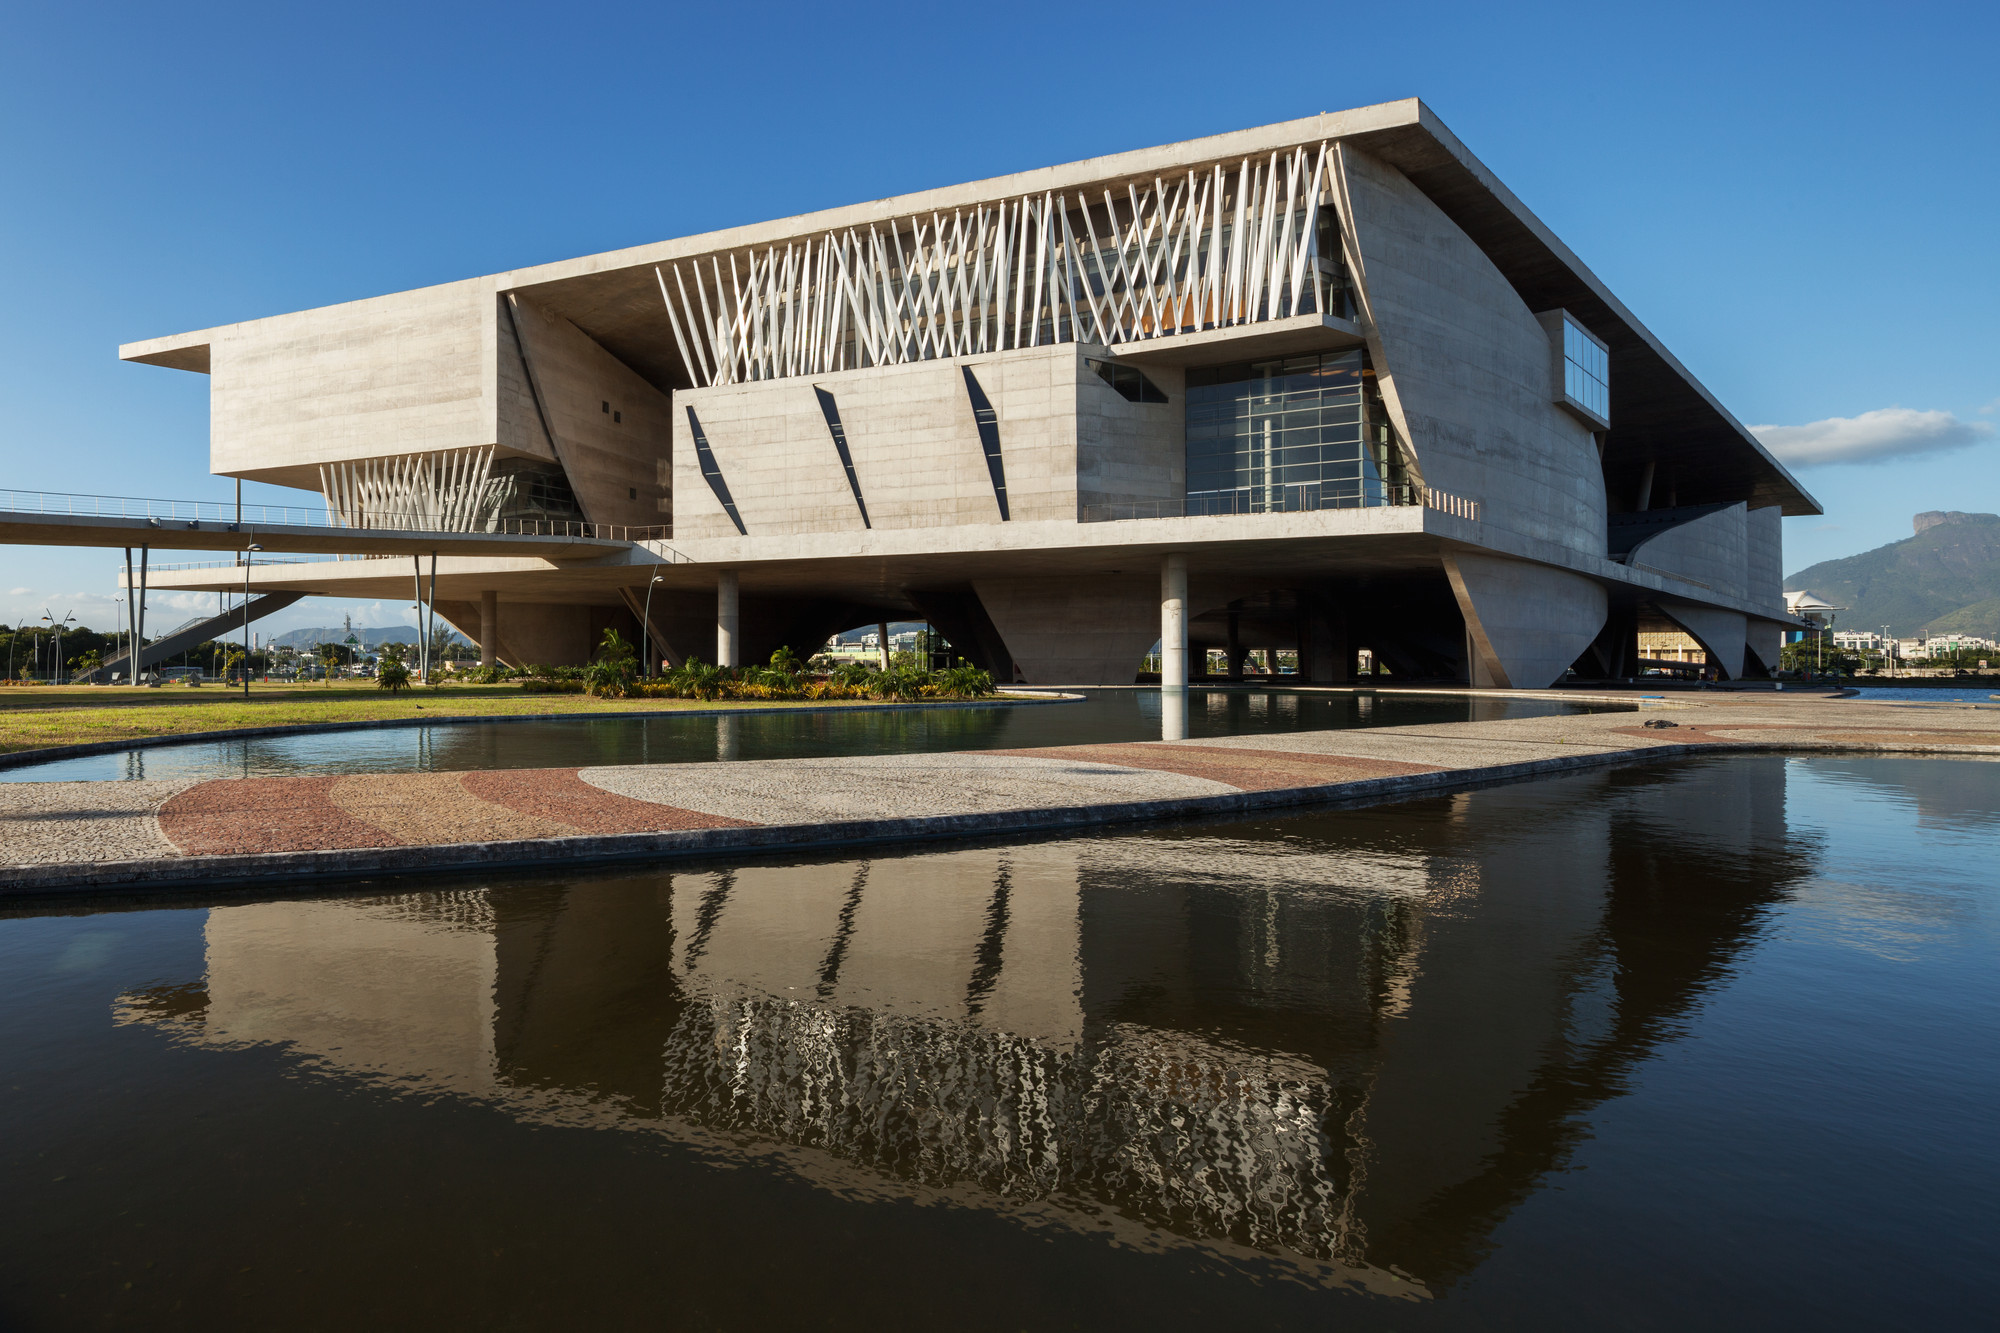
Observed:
{"x":882,"y":642}
{"x":1764,"y":640}
{"x":1174,"y":622}
{"x":1059,"y":631}
{"x":489,"y":628}
{"x":1525,"y":624}
{"x":727,"y":618}
{"x":1722,"y":633}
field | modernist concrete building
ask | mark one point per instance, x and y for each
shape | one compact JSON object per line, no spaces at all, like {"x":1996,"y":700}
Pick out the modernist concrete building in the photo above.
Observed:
{"x":1325,"y":385}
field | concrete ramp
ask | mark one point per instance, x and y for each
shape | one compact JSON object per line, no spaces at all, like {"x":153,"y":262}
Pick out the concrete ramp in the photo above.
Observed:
{"x":198,"y":631}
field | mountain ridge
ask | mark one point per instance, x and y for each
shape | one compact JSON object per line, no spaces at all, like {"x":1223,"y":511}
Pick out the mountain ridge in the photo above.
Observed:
{"x":1943,"y":578}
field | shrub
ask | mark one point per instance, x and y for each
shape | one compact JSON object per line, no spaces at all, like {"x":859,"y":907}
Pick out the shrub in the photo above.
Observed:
{"x":392,"y":676}
{"x":543,"y":685}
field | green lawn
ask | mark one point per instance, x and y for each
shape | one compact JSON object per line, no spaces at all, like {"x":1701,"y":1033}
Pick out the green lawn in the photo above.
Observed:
{"x":34,"y":717}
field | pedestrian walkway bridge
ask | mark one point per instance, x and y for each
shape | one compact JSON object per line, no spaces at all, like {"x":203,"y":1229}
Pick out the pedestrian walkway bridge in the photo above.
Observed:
{"x":45,"y":518}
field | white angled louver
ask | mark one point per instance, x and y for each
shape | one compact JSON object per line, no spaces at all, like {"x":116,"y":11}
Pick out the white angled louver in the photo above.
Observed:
{"x":448,"y":491}
{"x":1233,"y":244}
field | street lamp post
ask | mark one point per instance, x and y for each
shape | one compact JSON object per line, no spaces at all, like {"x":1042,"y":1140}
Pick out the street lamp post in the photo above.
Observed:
{"x":646,"y":625}
{"x":247,"y":560}
{"x":55,"y":629}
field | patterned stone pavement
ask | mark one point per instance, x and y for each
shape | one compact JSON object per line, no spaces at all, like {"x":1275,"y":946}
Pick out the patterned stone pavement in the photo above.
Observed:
{"x":53,"y":834}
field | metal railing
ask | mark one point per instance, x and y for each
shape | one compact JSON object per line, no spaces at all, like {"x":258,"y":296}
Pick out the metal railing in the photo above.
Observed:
{"x":161,"y":512}
{"x":1288,"y":499}
{"x":260,"y":560}
{"x":667,"y":555}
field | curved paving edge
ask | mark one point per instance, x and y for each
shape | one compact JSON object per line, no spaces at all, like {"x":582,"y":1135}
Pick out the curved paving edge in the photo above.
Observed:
{"x":84,"y":836}
{"x":50,"y":754}
{"x":534,"y":852}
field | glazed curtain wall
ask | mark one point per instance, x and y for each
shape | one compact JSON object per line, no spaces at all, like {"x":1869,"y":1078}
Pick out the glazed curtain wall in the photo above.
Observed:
{"x":1301,"y":433}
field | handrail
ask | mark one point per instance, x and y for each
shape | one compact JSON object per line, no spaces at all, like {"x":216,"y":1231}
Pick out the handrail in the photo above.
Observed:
{"x":1285,"y":499}
{"x":254,"y":516}
{"x":1446,"y":503}
{"x":236,"y":564}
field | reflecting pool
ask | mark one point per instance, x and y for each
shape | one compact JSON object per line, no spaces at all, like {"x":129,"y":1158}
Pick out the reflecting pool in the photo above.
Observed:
{"x":1101,"y":715}
{"x":1669,"y":1046}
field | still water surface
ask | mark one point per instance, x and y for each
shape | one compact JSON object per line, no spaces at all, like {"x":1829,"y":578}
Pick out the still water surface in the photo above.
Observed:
{"x":1102,"y":715}
{"x":1684,"y":1045}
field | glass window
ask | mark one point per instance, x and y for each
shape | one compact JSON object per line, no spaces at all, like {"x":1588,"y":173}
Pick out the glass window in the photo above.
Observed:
{"x":1132,"y":386}
{"x":1586,"y":370}
{"x":1302,"y":433}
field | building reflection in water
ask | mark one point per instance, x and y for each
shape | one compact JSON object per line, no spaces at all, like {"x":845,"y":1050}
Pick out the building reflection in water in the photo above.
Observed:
{"x":1353,"y":1040}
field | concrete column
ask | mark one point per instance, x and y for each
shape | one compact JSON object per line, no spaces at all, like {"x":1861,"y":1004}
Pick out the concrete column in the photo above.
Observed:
{"x":1173,"y":623}
{"x":882,"y":642}
{"x":726,"y":618}
{"x":1235,"y":654}
{"x":1325,"y":657}
{"x":489,"y":628}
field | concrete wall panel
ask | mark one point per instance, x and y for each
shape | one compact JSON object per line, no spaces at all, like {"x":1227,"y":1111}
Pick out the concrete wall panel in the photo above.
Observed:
{"x":399,"y":374}
{"x":1130,"y":453}
{"x":1764,"y":537}
{"x":1076,"y":633}
{"x":613,"y":430}
{"x":1528,"y":623}
{"x":1471,"y":366}
{"x":1712,"y":550}
{"x":911,"y":434}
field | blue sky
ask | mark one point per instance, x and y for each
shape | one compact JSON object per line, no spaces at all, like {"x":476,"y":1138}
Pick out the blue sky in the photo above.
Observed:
{"x":1801,"y":200}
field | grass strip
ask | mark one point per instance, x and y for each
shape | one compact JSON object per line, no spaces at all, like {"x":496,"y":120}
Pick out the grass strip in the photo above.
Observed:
{"x":34,"y":718}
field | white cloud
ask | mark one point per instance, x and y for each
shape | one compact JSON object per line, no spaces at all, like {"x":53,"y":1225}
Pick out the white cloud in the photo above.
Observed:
{"x":1990,"y":408}
{"x":19,"y":592}
{"x":1872,"y":437}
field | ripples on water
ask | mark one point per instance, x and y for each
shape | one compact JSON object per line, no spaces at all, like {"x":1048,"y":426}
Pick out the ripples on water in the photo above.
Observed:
{"x":1668,"y":1046}
{"x":1103,"y":715}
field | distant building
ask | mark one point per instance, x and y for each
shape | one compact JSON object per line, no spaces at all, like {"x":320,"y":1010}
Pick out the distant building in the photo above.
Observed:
{"x":1946,"y":645}
{"x":1810,"y":607}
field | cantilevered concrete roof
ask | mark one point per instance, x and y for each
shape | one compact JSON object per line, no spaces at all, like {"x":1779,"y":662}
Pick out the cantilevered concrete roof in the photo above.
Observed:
{"x":1660,"y":412}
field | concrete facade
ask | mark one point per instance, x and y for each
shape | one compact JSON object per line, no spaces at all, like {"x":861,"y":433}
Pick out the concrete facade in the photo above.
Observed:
{"x":983,"y":420}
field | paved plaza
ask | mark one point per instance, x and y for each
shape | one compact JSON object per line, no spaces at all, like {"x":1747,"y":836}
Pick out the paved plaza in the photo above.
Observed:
{"x":137,"y":834}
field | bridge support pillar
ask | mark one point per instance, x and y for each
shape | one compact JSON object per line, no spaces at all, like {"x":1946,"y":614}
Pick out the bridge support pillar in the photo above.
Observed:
{"x":489,"y":628}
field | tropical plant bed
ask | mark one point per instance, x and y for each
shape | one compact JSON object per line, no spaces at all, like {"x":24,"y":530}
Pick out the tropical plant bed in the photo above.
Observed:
{"x":615,"y":675}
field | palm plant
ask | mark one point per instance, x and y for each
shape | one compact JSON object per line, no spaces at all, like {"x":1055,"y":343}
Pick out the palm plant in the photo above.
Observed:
{"x":617,"y":662}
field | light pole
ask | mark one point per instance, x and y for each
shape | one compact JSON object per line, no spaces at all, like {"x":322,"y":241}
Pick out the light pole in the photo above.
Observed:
{"x":646,"y":625}
{"x":248,"y":554}
{"x":13,"y":639}
{"x":55,"y":629}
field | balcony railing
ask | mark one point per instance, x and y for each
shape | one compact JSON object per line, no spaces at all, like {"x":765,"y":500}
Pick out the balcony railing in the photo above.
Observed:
{"x":1304,"y":499}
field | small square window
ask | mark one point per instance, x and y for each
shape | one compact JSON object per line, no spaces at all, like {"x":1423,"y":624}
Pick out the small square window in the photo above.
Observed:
{"x":605,"y":406}
{"x":632,"y":492}
{"x":617,"y":416}
{"x":1582,"y":365}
